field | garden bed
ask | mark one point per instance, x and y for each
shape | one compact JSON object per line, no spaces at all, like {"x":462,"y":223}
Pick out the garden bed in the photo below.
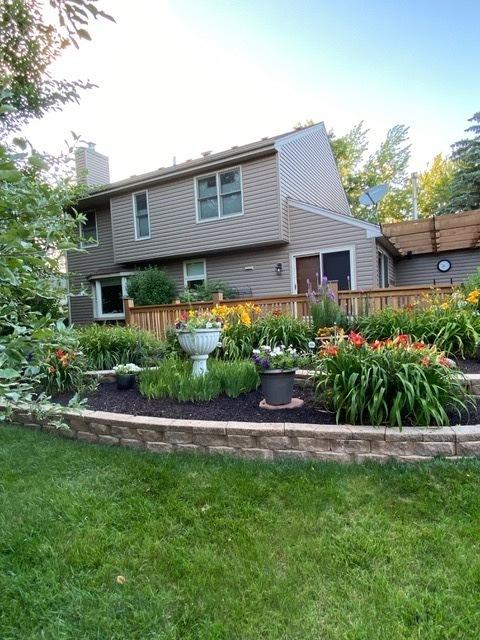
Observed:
{"x":469,"y":366}
{"x":242,"y":409}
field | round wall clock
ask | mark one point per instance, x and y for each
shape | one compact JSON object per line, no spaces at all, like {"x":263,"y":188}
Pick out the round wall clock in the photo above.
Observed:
{"x":444,"y":265}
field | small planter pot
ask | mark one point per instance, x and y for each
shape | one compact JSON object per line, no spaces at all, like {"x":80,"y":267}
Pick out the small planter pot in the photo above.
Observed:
{"x":199,"y":344}
{"x":125,"y":381}
{"x":277,"y":386}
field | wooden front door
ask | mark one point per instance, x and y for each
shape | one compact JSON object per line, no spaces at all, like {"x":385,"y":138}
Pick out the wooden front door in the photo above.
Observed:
{"x":308,"y":270}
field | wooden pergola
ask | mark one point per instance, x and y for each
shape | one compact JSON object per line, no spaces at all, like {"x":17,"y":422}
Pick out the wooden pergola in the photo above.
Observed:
{"x":436,"y":234}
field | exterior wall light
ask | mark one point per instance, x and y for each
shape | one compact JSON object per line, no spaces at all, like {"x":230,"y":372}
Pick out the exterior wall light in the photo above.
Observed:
{"x":278,"y":268}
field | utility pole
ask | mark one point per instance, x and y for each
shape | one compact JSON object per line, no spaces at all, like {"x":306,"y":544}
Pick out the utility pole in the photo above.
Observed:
{"x":415,"y":195}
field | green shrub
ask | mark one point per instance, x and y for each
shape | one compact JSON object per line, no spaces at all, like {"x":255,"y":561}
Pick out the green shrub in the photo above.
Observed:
{"x":62,"y":365}
{"x":472,"y":283}
{"x":398,"y":383}
{"x":173,"y":379}
{"x":151,"y":286}
{"x":105,"y":346}
{"x":239,"y":339}
{"x":274,"y":330}
{"x":454,"y":329}
{"x":206,"y":291}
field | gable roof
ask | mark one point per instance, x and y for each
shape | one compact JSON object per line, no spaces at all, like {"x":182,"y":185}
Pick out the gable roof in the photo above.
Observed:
{"x":372,"y":230}
{"x":435,"y":234}
{"x":265,"y":146}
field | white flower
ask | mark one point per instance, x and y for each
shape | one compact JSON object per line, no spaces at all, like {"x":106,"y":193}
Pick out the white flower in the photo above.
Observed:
{"x":256,"y":352}
{"x":311,"y":344}
{"x":126,"y":369}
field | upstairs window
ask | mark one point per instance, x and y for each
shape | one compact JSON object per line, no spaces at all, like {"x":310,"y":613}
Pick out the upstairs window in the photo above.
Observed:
{"x":142,"y":217}
{"x":219,"y":195}
{"x":88,"y":230}
{"x":194,"y":274}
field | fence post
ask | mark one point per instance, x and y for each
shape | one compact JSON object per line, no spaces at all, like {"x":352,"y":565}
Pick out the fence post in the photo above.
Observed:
{"x":127,"y":306}
{"x":217,"y":297}
{"x":333,"y":284}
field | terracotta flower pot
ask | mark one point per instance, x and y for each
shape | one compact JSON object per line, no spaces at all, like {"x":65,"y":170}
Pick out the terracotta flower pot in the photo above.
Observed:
{"x":277,"y":385}
{"x":199,"y":344}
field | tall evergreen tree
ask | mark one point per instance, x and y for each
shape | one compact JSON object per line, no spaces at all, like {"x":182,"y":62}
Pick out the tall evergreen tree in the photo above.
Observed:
{"x":465,"y":189}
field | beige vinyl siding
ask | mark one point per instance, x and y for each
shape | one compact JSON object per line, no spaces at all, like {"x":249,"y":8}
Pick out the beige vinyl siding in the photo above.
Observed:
{"x":310,"y":232}
{"x":91,"y":260}
{"x":308,"y":172}
{"x":422,"y":269}
{"x":174,"y":230}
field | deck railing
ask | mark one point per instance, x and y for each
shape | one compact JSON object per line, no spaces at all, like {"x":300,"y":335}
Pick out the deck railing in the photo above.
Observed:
{"x":158,"y":318}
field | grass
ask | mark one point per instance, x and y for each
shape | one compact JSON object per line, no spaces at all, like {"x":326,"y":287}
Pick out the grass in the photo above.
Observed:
{"x":172,"y":378}
{"x":216,"y":548}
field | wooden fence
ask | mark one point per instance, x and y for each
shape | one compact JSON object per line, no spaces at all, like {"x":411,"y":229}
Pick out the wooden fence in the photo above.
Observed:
{"x":157,"y":319}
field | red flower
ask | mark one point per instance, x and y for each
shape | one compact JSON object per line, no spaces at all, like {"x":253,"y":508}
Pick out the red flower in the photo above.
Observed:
{"x":356,"y":339}
{"x":60,"y":353}
{"x":329,"y":350}
{"x":446,"y":362}
{"x":418,"y":345}
{"x":377,"y":344}
{"x":402,"y":339}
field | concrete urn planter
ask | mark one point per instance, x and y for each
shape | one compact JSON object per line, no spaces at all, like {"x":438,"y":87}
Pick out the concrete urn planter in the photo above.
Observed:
{"x":199,"y":344}
{"x":277,"y":385}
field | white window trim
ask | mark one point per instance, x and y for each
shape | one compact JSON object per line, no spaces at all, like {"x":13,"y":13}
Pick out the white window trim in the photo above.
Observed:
{"x":88,"y":245}
{"x":320,"y":252}
{"x":217,"y":177}
{"x":134,"y":206}
{"x":186,"y":278}
{"x":380,"y":276}
{"x":97,"y":299}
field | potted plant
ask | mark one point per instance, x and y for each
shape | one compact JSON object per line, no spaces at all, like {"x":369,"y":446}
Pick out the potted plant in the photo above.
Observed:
{"x":277,"y":368}
{"x":198,"y":334}
{"x":125,"y":374}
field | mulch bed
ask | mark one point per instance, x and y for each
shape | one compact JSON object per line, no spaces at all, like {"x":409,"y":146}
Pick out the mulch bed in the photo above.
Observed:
{"x":469,"y":366}
{"x":242,"y":409}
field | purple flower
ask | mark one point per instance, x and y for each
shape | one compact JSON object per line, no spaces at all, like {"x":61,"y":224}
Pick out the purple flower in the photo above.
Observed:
{"x":324,"y":281}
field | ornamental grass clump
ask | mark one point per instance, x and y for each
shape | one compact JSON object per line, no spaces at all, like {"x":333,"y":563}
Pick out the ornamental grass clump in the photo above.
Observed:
{"x":238,"y":338}
{"x":105,"y":346}
{"x":389,"y":382}
{"x":324,"y":307}
{"x":452,"y":324}
{"x":173,"y":379}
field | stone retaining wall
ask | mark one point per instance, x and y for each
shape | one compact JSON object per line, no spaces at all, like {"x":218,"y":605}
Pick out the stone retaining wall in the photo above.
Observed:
{"x":268,"y":441}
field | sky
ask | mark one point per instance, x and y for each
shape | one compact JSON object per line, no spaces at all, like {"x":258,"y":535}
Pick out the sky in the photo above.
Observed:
{"x":180,"y":77}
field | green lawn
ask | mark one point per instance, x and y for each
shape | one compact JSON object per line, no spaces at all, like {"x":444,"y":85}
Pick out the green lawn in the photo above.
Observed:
{"x":218,"y":548}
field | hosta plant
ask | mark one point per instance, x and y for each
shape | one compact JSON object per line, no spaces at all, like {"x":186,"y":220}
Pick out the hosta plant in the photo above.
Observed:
{"x":393,"y":382}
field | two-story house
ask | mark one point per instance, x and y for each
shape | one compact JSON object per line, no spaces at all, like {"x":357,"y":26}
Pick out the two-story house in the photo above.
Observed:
{"x":263,"y":217}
